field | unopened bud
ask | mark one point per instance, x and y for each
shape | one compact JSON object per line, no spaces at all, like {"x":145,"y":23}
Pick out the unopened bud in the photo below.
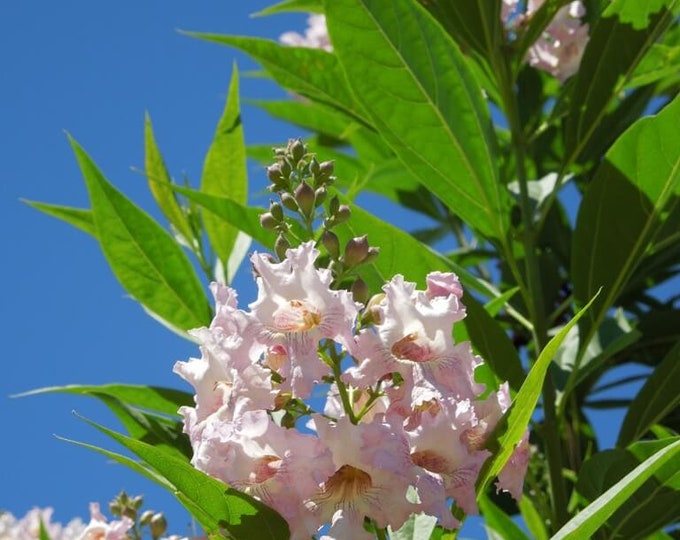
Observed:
{"x":372,"y":255}
{"x":331,"y":243}
{"x":297,"y":150}
{"x":115,"y":508}
{"x":359,"y":291}
{"x":268,"y":221}
{"x":145,"y":518}
{"x":334,"y":205}
{"x":158,"y":525}
{"x":314,"y":167}
{"x":373,"y":312}
{"x":304,"y":195}
{"x":326,"y":168}
{"x":289,"y":202}
{"x":343,"y":214}
{"x":274,"y":173}
{"x":281,"y":246}
{"x":320,"y":196}
{"x":356,"y":251}
{"x":130,"y":512}
{"x":276,"y":211}
{"x":137,"y":501}
{"x":286,"y":168}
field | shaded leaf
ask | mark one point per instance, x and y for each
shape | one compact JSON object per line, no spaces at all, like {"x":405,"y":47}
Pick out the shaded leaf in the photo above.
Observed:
{"x":498,"y":521}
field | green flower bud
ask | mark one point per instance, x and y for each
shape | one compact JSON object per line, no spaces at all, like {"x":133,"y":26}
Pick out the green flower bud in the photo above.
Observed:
{"x":297,"y":150}
{"x":268,"y":221}
{"x":281,"y":246}
{"x":320,"y":196}
{"x":145,"y":518}
{"x":158,"y":525}
{"x":314,"y":167}
{"x":356,"y":251}
{"x":331,"y":243}
{"x":343,"y":214}
{"x":326,"y":168}
{"x":372,"y":255}
{"x":276,"y":211}
{"x":304,"y":195}
{"x":289,"y":202}
{"x":359,"y":291}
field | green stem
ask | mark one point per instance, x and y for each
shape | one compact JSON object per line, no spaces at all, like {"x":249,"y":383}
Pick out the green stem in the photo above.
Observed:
{"x":536,"y":303}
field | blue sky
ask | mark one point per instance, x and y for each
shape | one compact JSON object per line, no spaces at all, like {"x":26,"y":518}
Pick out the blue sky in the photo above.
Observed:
{"x":93,"y":69}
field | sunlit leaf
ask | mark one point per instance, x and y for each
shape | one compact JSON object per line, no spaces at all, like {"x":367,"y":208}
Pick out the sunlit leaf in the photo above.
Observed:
{"x":498,"y":521}
{"x":81,"y":218}
{"x":312,"y":6}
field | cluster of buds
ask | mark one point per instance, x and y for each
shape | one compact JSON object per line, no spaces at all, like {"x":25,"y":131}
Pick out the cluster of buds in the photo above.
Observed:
{"x":304,"y":209}
{"x":124,"y":506}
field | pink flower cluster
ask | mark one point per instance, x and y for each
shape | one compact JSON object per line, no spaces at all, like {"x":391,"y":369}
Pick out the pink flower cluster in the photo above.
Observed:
{"x":28,"y":527}
{"x":403,"y":426}
{"x":559,"y":49}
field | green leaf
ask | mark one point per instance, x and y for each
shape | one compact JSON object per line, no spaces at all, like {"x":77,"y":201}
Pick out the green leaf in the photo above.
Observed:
{"x":617,"y":45}
{"x":498,"y":303}
{"x":658,"y":397}
{"x":426,"y":104}
{"x":152,"y":398}
{"x":312,"y":73}
{"x":160,"y":184}
{"x":306,"y":6}
{"x":143,"y":256}
{"x":623,"y":210}
{"x":510,"y":429}
{"x":80,"y":218}
{"x":654,"y":504}
{"x":532,"y":519}
{"x":416,"y":527}
{"x":43,"y":534}
{"x":225,"y":175}
{"x":216,"y":506}
{"x":498,"y":521}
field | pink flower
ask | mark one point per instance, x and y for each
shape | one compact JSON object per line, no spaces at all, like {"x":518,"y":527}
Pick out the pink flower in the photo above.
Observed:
{"x":559,"y":50}
{"x":28,"y":527}
{"x":316,"y":35}
{"x":295,"y":309}
{"x":99,"y":529}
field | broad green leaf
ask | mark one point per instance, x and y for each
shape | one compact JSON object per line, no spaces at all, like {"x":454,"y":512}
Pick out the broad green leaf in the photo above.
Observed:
{"x":400,"y":253}
{"x":654,"y":504}
{"x":623,"y":209}
{"x":416,"y":527}
{"x":151,"y":398}
{"x":81,"y":218}
{"x":510,"y":429}
{"x":498,"y":521}
{"x":656,"y":399}
{"x":311,"y":6}
{"x":616,"y":46}
{"x":225,"y":175}
{"x":426,"y":104}
{"x":216,"y":506}
{"x":160,"y":182}
{"x":532,"y":519}
{"x":147,"y":261}
{"x":591,"y":518}
{"x":312,"y":73}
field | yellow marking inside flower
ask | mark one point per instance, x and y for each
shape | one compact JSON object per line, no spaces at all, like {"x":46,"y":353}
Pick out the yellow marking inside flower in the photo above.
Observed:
{"x":346,"y":485}
{"x":297,"y":316}
{"x":408,"y":348}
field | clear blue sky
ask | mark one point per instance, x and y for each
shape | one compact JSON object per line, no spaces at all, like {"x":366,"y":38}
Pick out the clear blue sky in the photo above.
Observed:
{"x":92,"y":69}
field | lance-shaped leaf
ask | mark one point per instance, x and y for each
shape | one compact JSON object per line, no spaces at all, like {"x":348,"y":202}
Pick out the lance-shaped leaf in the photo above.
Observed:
{"x":618,"y":42}
{"x":426,"y":103}
{"x":593,"y":516}
{"x":80,"y":218}
{"x":312,"y":73}
{"x":225,"y":175}
{"x":498,"y":523}
{"x":313,"y":6}
{"x":658,"y":397}
{"x":633,"y":191}
{"x":511,"y":427}
{"x":216,"y":506}
{"x":147,"y":261}
{"x":160,"y":184}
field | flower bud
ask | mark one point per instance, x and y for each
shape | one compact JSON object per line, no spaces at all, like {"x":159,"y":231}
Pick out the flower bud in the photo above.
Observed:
{"x":356,"y":251}
{"x":137,"y":501}
{"x":331,"y":243}
{"x":145,"y":518}
{"x":304,"y":195}
{"x":286,"y":168}
{"x":289,"y":202}
{"x":372,"y":255}
{"x":326,"y":168}
{"x":274,"y":173}
{"x":130,"y":512}
{"x":297,"y":150}
{"x":268,"y":221}
{"x":343,"y":214}
{"x":320,"y":196}
{"x":276,"y":211}
{"x":281,"y":246}
{"x":373,"y":314}
{"x":359,"y":291}
{"x":158,"y":525}
{"x":334,"y":205}
{"x":314,"y":167}
{"x":115,"y":508}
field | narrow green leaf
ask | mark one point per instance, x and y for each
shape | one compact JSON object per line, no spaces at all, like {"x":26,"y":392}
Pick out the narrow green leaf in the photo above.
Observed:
{"x":617,"y":45}
{"x":516,"y":419}
{"x":657,"y":398}
{"x":532,"y":519}
{"x":80,"y":218}
{"x":498,"y":303}
{"x":225,"y":175}
{"x":147,"y":261}
{"x":152,"y":398}
{"x":43,"y":534}
{"x":591,"y":518}
{"x":498,"y":521}
{"x":218,"y":506}
{"x":160,"y":182}
{"x":312,"y":73}
{"x":305,"y":6}
{"x":427,"y":105}
{"x":633,"y":191}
